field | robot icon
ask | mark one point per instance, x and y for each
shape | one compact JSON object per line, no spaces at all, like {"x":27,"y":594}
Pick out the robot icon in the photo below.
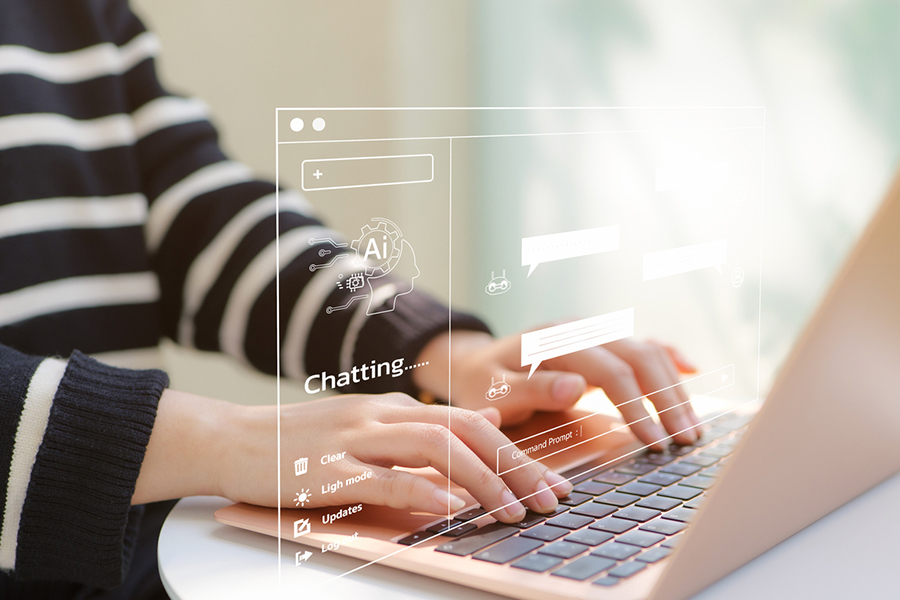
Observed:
{"x":498,"y":285}
{"x":499,"y":389}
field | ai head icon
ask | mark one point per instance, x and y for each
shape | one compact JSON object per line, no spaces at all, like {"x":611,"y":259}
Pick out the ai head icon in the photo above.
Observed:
{"x":499,"y":389}
{"x":498,"y":285}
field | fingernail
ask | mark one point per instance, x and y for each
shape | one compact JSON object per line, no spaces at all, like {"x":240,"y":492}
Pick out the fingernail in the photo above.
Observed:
{"x":451,"y":501}
{"x":545,"y":498}
{"x":567,"y":387}
{"x":558,"y":483}
{"x":513,"y":508}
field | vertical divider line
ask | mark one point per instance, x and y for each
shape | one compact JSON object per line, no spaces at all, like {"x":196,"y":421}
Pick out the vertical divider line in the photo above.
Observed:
{"x":278,"y":343}
{"x":449,"y":313}
{"x":762,"y":224}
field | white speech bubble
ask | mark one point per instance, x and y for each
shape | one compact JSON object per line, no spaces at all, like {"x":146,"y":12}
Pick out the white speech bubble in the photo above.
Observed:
{"x":684,"y":259}
{"x":544,"y":344}
{"x":569,"y":244}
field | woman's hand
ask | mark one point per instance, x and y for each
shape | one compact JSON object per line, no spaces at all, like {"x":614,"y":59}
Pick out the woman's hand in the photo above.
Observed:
{"x":230,"y":450}
{"x":626,"y":370}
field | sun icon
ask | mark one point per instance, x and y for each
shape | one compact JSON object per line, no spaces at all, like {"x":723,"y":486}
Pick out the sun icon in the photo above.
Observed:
{"x":302,"y":498}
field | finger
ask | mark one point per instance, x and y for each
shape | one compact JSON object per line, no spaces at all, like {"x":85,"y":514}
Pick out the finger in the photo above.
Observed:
{"x":683,"y":364}
{"x":491,"y":414}
{"x":546,"y":390}
{"x":399,"y":489}
{"x":605,"y":370}
{"x":529,"y":479}
{"x":423,"y":444}
{"x":658,"y":381}
{"x":673,"y":370}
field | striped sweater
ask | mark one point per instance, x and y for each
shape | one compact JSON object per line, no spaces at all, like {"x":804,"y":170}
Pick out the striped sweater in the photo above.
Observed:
{"x":121,"y":221}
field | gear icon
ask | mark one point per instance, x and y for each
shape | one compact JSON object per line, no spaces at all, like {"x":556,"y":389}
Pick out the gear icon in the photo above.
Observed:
{"x":378,"y":248}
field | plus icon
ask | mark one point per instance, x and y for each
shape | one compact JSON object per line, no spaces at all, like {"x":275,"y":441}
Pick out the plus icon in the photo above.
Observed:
{"x":317,"y":174}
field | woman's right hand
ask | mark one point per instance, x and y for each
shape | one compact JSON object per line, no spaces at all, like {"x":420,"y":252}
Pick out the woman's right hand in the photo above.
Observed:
{"x":365,"y":436}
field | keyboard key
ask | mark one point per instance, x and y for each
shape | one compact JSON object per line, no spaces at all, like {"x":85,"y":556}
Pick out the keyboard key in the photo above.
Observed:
{"x":653,"y":555}
{"x":564,"y":549}
{"x":662,"y":479}
{"x":472,"y":513}
{"x":702,"y":459}
{"x":593,"y":510}
{"x":634,"y":513}
{"x":672,"y":541}
{"x":607,"y":581}
{"x":681,"y":468}
{"x":570,"y":521}
{"x":695,"y":503}
{"x":680,"y":514}
{"x":613,"y":525}
{"x":545,"y":532}
{"x":556,"y":511}
{"x":614,"y":478}
{"x":617,"y":499}
{"x":698,"y":481}
{"x":659,"y":503}
{"x":681,"y":492}
{"x":478,"y":539}
{"x":537,"y":563}
{"x":712,"y":471}
{"x":721,"y":451}
{"x":658,"y":458}
{"x":664,"y":526}
{"x":584,"y":567}
{"x":594,"y":488}
{"x":507,"y":550}
{"x":443,"y":526}
{"x":615,"y":551}
{"x":574,"y":499}
{"x":636,"y":468}
{"x":639,"y":489}
{"x":714,"y":433}
{"x":644,"y":539}
{"x":590,"y":537}
{"x":415,"y":537}
{"x":460,"y":530}
{"x":627,"y":569}
{"x":531,"y":519}
{"x":681,"y":450}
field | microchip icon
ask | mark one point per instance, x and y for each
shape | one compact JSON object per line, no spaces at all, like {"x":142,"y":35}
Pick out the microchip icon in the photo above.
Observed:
{"x":355,"y":282}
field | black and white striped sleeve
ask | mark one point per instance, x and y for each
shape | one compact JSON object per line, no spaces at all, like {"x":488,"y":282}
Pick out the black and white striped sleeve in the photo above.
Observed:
{"x":72,"y":442}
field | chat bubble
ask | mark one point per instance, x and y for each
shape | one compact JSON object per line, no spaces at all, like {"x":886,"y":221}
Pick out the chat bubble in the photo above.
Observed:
{"x":685,"y":259}
{"x":544,"y":344}
{"x":570,"y":244}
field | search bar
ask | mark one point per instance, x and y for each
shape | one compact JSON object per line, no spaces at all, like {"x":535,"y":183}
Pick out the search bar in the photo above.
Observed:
{"x":365,"y":171}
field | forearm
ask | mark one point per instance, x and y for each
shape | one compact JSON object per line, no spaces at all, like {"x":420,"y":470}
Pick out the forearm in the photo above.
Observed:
{"x":188,"y":447}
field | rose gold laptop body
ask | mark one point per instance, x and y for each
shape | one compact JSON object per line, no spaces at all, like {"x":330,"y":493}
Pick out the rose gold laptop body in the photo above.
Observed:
{"x":839,"y":388}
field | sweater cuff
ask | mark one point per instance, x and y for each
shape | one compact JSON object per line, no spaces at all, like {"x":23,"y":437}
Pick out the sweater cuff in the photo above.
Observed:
{"x":404,"y":333}
{"x":77,"y":521}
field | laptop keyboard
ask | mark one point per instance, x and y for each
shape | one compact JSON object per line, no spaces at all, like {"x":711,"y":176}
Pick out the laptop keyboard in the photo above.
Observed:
{"x":616,"y":521}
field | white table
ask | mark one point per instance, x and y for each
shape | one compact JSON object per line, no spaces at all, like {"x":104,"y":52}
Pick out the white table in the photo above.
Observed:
{"x":851,"y":553}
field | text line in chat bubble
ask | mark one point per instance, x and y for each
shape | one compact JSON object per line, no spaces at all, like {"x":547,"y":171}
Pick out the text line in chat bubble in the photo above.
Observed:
{"x":570,"y":244}
{"x":675,"y":261}
{"x":551,"y":342}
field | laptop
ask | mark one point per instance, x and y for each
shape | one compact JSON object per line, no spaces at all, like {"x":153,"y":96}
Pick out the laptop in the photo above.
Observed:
{"x":662,"y":526}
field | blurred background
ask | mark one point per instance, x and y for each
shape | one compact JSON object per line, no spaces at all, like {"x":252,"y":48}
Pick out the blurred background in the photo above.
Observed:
{"x":827,"y":73}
